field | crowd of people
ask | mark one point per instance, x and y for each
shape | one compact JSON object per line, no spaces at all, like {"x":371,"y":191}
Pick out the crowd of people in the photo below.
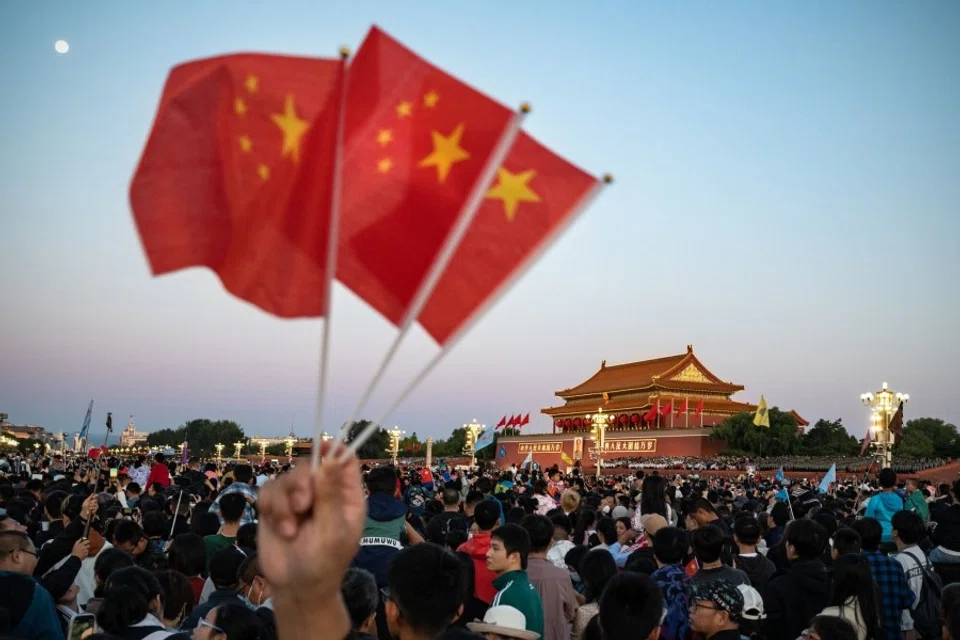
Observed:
{"x":151,"y":549}
{"x":816,"y":464}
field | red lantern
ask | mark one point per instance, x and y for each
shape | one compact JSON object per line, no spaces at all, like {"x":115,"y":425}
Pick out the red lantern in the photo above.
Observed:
{"x":577,"y":422}
{"x":635,"y":418}
{"x":567,"y":423}
{"x":558,"y":423}
{"x":623,"y":419}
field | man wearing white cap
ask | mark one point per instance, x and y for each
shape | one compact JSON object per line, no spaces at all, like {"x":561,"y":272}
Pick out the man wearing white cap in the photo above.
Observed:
{"x":503,"y":622}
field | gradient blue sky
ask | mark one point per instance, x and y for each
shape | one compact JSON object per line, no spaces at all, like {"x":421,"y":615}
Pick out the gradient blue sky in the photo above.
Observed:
{"x":787,"y":200}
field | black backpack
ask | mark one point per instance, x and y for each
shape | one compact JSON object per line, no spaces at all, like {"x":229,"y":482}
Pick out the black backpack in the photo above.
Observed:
{"x":926,"y":615}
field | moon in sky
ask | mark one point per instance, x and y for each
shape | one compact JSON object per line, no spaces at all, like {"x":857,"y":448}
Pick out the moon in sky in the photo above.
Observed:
{"x":61,"y":46}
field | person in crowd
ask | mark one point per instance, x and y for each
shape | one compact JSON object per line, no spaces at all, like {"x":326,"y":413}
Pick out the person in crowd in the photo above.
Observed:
{"x":716,"y":610}
{"x":107,"y":562}
{"x":385,"y":524}
{"x":450,"y":519}
{"x":883,"y":505}
{"x":243,"y":483}
{"x":916,"y":500}
{"x":507,"y":557}
{"x":232,"y":508}
{"x":557,"y":596}
{"x":845,"y":541}
{"x":188,"y":555}
{"x":132,"y":606}
{"x":753,"y":616}
{"x":854,"y":596}
{"x":159,"y":472}
{"x":177,"y":597}
{"x":795,"y":596}
{"x":29,"y":609}
{"x":946,"y":530}
{"x":128,"y":536}
{"x":359,"y":589}
{"x":562,"y":528}
{"x":908,"y":530}
{"x":225,"y":574}
{"x":631,"y":608}
{"x":425,"y":592}
{"x":670,"y":546}
{"x":895,"y":593}
{"x":746,"y":535}
{"x":228,"y":622}
{"x":708,"y":545}
{"x":486,"y":516}
{"x":829,"y":628}
{"x":596,"y":570}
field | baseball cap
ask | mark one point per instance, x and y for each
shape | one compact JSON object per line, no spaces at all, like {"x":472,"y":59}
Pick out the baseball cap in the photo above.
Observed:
{"x":726,"y":596}
{"x":752,"y":603}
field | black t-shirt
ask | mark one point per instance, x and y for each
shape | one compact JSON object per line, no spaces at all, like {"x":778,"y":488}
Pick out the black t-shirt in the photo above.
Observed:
{"x":442,"y":523}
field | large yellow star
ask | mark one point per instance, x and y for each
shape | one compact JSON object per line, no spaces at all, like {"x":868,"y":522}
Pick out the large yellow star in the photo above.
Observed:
{"x":293,"y":128}
{"x":512,"y":189}
{"x":446,"y":152}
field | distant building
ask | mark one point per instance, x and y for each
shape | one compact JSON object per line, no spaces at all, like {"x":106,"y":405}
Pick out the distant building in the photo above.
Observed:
{"x":23,"y":431}
{"x":130,"y":437}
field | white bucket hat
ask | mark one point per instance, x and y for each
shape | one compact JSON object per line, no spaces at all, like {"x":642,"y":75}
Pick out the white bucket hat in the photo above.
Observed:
{"x":504,"y":621}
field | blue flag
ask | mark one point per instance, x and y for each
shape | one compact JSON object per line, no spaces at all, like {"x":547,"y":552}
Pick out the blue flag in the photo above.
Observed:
{"x":780,"y":474}
{"x":828,"y":479}
{"x":485,"y":440}
{"x":782,"y":495}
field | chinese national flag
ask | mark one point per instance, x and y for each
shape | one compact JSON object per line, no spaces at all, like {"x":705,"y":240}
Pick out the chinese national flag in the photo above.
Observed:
{"x":416,"y":141}
{"x":682,"y":408}
{"x":651,"y":415}
{"x":237,"y":173}
{"x":699,"y":408}
{"x":514,"y":420}
{"x":525,"y":421}
{"x":534,"y":195}
{"x":502,"y":423}
{"x":667,"y":408}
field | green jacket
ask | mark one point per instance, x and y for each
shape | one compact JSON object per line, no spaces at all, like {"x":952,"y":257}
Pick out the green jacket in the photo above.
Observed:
{"x":915,"y":502}
{"x":514,"y":590}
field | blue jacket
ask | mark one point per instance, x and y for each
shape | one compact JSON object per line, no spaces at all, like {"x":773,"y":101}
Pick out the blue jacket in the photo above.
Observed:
{"x":881,"y":508}
{"x":386,"y":521}
{"x":30,"y":608}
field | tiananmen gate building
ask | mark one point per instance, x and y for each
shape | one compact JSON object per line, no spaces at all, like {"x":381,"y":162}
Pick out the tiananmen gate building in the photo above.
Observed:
{"x":661,"y":407}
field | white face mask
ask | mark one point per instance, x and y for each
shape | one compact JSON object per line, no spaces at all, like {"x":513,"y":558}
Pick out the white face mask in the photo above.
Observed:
{"x":575,"y":576}
{"x":606,"y":508}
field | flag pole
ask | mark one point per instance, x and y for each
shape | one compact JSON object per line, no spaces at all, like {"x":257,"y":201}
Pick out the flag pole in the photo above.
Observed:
{"x":333,"y":231}
{"x":585,"y":201}
{"x":686,"y":412}
{"x":449,"y":248}
{"x":671,"y":415}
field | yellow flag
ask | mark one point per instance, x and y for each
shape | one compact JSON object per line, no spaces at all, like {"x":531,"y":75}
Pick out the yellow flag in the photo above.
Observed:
{"x":761,"y":418}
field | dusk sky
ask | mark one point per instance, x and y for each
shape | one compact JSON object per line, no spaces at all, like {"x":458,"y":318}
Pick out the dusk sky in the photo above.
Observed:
{"x":787,"y":199}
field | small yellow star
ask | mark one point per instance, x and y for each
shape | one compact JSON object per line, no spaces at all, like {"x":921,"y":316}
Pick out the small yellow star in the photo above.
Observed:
{"x":263,"y":171}
{"x":251,"y":83}
{"x":431,"y":99}
{"x":385,"y":165}
{"x":404,"y":109}
{"x":446,"y":152}
{"x":293,"y":128}
{"x":246,"y":144}
{"x":240,"y":107}
{"x":384,"y":137}
{"x":512,"y":189}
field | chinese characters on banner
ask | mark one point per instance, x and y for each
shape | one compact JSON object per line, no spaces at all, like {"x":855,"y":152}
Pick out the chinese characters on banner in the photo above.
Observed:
{"x":645,"y":446}
{"x":540,"y":447}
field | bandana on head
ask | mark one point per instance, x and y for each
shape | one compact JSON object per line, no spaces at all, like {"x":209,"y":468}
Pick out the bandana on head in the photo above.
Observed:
{"x":723,"y":594}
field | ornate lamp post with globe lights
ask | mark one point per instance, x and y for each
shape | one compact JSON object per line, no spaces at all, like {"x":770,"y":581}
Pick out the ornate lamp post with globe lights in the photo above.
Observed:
{"x":394,"y":449}
{"x":219,"y":447}
{"x":884,"y":405}
{"x":237,"y":448}
{"x":290,"y":441}
{"x":472,"y":430}
{"x":599,"y":421}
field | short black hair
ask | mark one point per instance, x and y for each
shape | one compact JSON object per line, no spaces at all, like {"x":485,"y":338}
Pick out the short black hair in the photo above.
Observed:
{"x":887,"y":478}
{"x":707,"y":543}
{"x":515,"y":539}
{"x":232,"y":506}
{"x":540,"y":530}
{"x":427,"y":585}
{"x":908,"y":525}
{"x":127,"y":531}
{"x":486,"y":515}
{"x":607,"y":527}
{"x":359,"y":589}
{"x":747,"y":529}
{"x":451,"y":497}
{"x":846,"y":540}
{"x":631,"y":606}
{"x":382,"y":480}
{"x":670,"y":545}
{"x":871,"y":533}
{"x":807,"y":537}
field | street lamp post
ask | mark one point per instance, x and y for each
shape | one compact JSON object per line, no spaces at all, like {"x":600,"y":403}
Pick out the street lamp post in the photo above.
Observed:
{"x":263,"y":451}
{"x":219,"y":447}
{"x":600,"y":421}
{"x":395,"y":434}
{"x":473,"y":430}
{"x":237,"y":448}
{"x":884,"y":405}
{"x":290,"y":442}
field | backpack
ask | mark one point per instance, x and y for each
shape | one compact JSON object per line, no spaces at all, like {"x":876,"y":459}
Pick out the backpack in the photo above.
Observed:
{"x":926,"y":615}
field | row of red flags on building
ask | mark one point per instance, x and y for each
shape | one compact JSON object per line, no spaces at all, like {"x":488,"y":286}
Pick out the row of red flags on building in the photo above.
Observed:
{"x":665,"y":410}
{"x":256,"y":161}
{"x":514,"y":422}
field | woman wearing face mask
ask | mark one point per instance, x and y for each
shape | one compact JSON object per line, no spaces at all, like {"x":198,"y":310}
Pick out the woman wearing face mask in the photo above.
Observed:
{"x":255,"y":591}
{"x":228,"y":622}
{"x":177,"y":597}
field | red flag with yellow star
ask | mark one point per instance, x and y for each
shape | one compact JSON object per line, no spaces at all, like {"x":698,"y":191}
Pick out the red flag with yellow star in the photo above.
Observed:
{"x":416,"y":141}
{"x":237,"y":173}
{"x":535,"y":194}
